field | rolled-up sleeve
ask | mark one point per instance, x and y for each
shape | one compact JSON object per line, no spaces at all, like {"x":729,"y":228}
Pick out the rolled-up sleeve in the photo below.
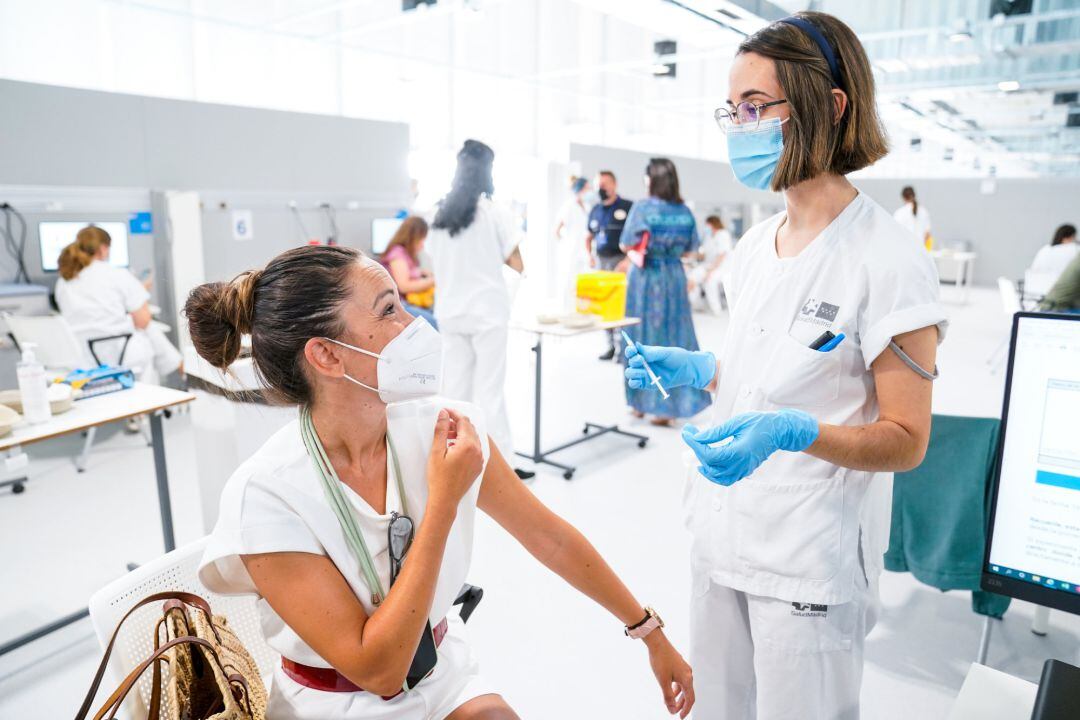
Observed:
{"x":901,"y":296}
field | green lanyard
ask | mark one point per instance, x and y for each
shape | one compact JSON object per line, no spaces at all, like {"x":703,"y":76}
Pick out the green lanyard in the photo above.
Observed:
{"x":340,"y":505}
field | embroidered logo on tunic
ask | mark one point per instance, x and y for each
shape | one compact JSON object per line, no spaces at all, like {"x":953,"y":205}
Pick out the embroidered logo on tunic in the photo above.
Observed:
{"x":818,"y":312}
{"x":809,"y":610}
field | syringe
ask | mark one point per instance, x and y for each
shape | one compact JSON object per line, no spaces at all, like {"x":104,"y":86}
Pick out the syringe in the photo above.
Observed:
{"x":652,"y":376}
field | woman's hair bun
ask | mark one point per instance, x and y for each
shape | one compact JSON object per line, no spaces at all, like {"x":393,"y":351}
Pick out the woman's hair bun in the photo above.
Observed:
{"x":219,"y":314}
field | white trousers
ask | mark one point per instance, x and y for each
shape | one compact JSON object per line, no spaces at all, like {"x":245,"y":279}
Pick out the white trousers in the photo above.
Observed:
{"x":710,"y":284}
{"x":475,"y":367}
{"x":759,"y":658}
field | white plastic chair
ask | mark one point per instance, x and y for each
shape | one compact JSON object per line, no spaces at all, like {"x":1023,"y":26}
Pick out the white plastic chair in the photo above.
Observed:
{"x":174,"y":571}
{"x":1010,"y":305}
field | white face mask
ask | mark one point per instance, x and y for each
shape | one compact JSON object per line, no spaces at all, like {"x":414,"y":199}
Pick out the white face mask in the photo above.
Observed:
{"x":410,"y":366}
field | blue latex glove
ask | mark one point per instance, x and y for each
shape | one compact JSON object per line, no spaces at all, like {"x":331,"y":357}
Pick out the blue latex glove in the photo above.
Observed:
{"x":673,"y":365}
{"x":754,"y":437}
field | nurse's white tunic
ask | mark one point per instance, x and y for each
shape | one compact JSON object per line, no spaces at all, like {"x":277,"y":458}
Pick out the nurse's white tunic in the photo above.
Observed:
{"x":275,"y":502}
{"x":796,"y":527}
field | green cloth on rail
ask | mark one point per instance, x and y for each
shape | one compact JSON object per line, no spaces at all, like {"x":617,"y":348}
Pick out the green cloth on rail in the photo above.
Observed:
{"x":941,"y":509}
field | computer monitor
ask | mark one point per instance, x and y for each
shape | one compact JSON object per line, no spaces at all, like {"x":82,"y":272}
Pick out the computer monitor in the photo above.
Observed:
{"x":1033,"y":541}
{"x":382,"y":231}
{"x":54,"y":236}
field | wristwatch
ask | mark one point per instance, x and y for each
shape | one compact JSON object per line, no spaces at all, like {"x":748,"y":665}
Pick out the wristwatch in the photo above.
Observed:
{"x":650,"y":622}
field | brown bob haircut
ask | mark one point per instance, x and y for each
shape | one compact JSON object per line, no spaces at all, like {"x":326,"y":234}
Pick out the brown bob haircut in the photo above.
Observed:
{"x":815,"y":143}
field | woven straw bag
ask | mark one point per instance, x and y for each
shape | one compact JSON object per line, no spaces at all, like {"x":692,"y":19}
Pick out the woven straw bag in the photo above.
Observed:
{"x":212,"y":676}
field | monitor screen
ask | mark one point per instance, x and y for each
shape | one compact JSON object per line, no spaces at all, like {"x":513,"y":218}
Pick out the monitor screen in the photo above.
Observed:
{"x":1034,"y":545}
{"x":382,"y":231}
{"x":54,"y":236}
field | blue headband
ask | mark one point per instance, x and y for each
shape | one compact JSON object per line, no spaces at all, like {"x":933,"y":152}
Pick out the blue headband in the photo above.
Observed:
{"x":578,"y":184}
{"x":826,"y":49}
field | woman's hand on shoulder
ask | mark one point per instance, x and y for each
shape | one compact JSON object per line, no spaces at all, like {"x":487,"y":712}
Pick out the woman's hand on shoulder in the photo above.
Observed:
{"x":455,"y":461}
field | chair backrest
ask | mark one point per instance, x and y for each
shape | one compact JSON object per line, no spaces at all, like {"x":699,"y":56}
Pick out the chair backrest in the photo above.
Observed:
{"x":174,"y":571}
{"x":56,"y":345}
{"x":1038,"y":283}
{"x":1010,"y":298}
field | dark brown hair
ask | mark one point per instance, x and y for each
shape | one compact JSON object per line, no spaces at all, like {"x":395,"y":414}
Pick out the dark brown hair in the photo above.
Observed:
{"x":715,"y":221}
{"x":78,"y":255}
{"x":412,"y":230}
{"x":816,"y":142}
{"x":609,"y":174}
{"x":908,"y":194}
{"x":663,"y":180}
{"x":297,"y":296}
{"x":1063,"y":233}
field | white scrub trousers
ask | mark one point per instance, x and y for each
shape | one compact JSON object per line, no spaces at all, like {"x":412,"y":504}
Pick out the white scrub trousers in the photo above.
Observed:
{"x":475,"y":367}
{"x":759,"y":658}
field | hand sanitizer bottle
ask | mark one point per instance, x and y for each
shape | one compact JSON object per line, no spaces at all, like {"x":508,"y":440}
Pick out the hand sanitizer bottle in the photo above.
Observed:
{"x":33,"y":387}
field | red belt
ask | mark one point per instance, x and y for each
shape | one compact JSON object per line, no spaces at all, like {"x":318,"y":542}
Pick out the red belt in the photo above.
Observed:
{"x":330,"y":680}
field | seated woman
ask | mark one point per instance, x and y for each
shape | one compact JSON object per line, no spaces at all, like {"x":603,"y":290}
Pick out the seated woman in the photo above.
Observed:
{"x":306,"y":523}
{"x":98,"y":300}
{"x":402,"y":260}
{"x":1051,"y":260}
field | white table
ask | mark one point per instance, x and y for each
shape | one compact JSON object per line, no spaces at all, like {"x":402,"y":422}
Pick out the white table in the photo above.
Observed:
{"x":92,"y":412}
{"x":965,"y":267}
{"x":989,"y":694}
{"x":591,"y":430}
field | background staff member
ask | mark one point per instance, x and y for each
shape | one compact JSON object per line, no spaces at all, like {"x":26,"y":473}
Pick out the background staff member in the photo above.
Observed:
{"x":98,"y":299}
{"x":602,"y":241}
{"x":790,"y":517}
{"x":913,"y":217}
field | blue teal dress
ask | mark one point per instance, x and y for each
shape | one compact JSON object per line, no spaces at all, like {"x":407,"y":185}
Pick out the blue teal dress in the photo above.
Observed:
{"x":657,"y":294}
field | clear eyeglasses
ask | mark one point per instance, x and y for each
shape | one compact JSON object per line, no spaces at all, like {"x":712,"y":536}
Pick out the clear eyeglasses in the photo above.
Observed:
{"x":746,"y":115}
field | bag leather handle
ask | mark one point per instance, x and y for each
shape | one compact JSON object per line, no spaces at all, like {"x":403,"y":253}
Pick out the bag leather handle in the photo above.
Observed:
{"x":188,"y":598}
{"x":112,"y":704}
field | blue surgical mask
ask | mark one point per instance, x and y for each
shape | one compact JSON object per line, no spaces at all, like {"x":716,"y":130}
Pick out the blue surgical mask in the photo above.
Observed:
{"x":755,"y":153}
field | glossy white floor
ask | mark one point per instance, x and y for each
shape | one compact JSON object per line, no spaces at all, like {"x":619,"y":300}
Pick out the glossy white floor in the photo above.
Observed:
{"x":551,"y":652}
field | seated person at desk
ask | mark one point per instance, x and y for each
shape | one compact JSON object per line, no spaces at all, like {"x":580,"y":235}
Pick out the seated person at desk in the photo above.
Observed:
{"x":1064,"y":297}
{"x":307,"y":522}
{"x":99,"y":300}
{"x":1051,"y":260}
{"x":402,"y":260}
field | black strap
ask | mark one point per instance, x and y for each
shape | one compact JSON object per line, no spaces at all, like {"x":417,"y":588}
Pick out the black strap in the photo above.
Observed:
{"x":469,"y":597}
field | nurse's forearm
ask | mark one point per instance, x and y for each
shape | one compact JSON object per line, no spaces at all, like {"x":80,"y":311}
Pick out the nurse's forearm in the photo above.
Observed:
{"x":883,"y":446}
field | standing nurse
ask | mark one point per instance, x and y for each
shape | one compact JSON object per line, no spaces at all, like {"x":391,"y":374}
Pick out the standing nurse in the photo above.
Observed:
{"x":471,"y":239}
{"x":789,"y":493}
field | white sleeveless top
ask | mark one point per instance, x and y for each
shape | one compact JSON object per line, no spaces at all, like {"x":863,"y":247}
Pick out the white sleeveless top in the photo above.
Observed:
{"x":275,"y":502}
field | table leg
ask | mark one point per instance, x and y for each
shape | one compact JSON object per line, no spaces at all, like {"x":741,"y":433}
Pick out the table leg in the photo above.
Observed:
{"x":161,"y":473}
{"x":539,"y":350}
{"x":42,"y":631}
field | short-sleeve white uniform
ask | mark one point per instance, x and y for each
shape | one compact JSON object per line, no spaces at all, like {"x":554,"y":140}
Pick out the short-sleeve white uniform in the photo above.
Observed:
{"x":471,"y":292}
{"x":917,"y":223}
{"x":275,"y":502}
{"x":98,"y":302}
{"x":794,"y":529}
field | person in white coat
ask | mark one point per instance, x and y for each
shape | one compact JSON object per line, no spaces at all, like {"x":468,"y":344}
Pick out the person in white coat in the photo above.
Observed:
{"x":353,"y":525}
{"x":913,"y":217}
{"x":571,"y":229}
{"x":470,"y":241}
{"x":99,"y":300}
{"x":1051,"y":261}
{"x":706,"y":278}
{"x":822,"y":389}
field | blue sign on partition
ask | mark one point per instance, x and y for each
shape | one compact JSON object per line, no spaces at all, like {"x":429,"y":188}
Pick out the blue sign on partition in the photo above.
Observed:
{"x":140,"y":223}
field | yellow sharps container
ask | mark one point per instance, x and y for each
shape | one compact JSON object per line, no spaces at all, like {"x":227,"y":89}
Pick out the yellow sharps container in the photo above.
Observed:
{"x":602,"y":293}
